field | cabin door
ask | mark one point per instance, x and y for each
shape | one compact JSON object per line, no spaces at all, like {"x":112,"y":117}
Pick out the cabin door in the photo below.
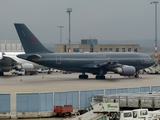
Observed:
{"x":58,"y":59}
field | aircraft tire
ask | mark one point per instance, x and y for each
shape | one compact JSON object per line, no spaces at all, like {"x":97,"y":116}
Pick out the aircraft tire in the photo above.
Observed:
{"x":80,"y":76}
{"x":136,"y":75}
{"x":86,"y":76}
{"x":83,"y":76}
{"x":1,"y":74}
{"x":100,"y":77}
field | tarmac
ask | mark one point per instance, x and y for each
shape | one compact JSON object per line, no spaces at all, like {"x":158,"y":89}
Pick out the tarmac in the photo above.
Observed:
{"x":58,"y":82}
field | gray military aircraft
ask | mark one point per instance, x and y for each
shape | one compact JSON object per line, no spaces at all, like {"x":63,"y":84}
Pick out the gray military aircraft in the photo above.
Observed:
{"x":97,"y":63}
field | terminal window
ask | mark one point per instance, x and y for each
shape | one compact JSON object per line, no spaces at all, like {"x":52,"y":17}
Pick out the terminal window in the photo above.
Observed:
{"x":129,"y":49}
{"x":123,"y":50}
{"x":110,"y":49}
{"x":117,"y":49}
{"x":135,"y":50}
{"x":105,"y":49}
{"x":76,"y":50}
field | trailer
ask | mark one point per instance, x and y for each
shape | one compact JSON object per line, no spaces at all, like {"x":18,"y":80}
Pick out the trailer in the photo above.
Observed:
{"x":63,"y":110}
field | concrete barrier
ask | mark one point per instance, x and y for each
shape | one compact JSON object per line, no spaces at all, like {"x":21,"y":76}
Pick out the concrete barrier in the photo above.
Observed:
{"x":5,"y":115}
{"x":34,"y":114}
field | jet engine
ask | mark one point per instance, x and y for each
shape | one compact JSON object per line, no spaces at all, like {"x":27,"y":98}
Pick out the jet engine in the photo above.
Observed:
{"x":25,"y":66}
{"x":126,"y":70}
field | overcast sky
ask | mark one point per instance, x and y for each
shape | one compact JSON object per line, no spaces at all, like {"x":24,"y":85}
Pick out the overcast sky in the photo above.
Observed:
{"x":108,"y":20}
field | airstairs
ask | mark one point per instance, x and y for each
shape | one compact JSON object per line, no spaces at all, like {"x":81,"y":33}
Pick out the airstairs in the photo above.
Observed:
{"x":101,"y":110}
{"x":97,"y":111}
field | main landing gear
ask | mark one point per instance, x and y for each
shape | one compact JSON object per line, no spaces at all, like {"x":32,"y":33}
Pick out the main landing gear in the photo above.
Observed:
{"x":83,"y":76}
{"x":101,"y":74}
{"x":100,"y":77}
{"x":1,"y":74}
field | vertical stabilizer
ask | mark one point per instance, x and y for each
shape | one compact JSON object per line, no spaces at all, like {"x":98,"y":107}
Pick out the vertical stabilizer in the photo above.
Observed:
{"x":30,"y":43}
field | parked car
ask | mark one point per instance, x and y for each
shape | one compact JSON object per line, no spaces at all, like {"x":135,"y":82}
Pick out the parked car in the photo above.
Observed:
{"x":67,"y":72}
{"x":45,"y":70}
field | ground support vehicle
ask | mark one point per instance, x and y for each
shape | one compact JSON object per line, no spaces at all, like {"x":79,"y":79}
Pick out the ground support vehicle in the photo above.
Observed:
{"x":154,"y":69}
{"x":25,"y":72}
{"x":45,"y":70}
{"x":100,"y":108}
{"x":63,"y":110}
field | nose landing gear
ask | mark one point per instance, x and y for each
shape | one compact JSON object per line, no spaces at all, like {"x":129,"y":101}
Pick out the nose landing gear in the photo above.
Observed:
{"x":136,"y":75}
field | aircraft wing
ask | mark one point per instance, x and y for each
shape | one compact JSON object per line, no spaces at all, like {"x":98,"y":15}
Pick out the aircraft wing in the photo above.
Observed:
{"x":6,"y":65}
{"x":115,"y":67}
{"x":109,"y":64}
{"x":8,"y":59}
{"x":18,"y":63}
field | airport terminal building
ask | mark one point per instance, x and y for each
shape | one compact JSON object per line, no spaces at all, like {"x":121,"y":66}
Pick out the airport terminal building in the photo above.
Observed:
{"x":11,"y":46}
{"x":87,"y":45}
{"x":91,"y":45}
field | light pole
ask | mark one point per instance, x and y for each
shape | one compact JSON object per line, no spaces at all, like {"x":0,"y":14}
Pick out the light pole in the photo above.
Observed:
{"x":156,"y":45}
{"x":60,"y":27}
{"x":69,"y":10}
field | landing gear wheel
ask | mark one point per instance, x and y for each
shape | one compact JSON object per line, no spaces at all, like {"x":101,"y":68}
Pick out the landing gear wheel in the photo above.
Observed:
{"x":1,"y":74}
{"x":100,"y":77}
{"x":136,"y":75}
{"x":83,"y":76}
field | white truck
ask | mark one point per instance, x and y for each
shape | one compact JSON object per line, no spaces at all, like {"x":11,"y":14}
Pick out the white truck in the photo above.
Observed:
{"x":137,"y":114}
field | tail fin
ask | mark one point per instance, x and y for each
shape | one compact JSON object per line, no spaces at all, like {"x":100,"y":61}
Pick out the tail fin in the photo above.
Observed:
{"x":29,"y":42}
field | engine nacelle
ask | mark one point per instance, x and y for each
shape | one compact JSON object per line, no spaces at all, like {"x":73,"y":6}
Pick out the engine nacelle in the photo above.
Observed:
{"x":25,"y":66}
{"x":126,"y":70}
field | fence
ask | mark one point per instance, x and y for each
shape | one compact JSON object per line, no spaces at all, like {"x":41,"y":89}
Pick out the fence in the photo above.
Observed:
{"x":5,"y":103}
{"x":40,"y":102}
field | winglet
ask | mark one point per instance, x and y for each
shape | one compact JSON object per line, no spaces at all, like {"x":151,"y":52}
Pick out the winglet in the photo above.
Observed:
{"x":30,"y":43}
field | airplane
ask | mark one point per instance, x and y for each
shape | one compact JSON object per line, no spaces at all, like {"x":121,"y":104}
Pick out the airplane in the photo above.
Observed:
{"x":9,"y":61}
{"x":97,"y":63}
